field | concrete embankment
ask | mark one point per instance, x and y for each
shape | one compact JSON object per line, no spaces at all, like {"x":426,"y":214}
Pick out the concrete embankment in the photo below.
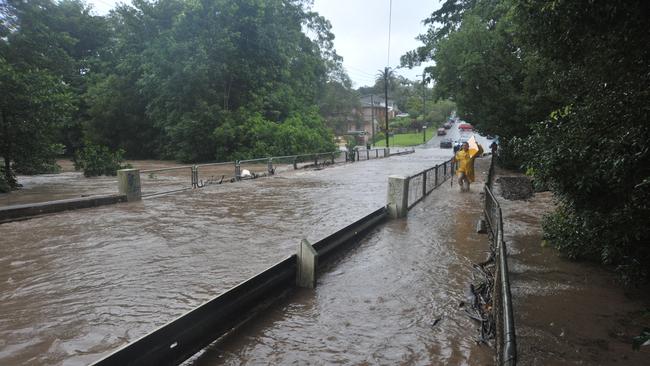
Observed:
{"x":20,"y":212}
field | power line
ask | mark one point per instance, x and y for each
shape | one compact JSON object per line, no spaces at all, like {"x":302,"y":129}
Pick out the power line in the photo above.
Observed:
{"x":356,"y":69}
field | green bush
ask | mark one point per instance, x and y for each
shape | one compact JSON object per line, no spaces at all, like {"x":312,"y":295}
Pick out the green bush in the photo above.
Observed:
{"x":4,"y":185}
{"x":97,"y":160}
{"x":41,"y":160}
{"x":583,"y":234}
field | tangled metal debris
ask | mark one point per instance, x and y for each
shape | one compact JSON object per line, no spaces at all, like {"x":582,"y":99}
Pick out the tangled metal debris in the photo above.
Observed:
{"x":480,"y":298}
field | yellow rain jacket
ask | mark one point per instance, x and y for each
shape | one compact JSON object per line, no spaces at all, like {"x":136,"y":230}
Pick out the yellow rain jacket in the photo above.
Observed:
{"x":465,"y":162}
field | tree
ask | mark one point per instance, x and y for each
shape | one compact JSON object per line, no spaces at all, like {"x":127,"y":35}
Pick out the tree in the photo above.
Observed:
{"x":189,"y":71}
{"x":37,"y":99}
{"x":339,"y":105}
{"x":593,"y":151}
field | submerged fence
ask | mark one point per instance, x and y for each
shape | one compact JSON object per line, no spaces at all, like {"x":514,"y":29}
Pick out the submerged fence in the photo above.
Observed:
{"x":174,"y":179}
{"x":506,"y":342}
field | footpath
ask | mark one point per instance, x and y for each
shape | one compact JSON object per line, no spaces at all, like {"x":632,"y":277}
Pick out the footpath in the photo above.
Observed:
{"x":566,"y":312}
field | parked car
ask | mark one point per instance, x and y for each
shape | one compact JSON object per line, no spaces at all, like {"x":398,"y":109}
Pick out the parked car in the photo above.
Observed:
{"x":445,"y":144}
{"x":441,"y":132}
{"x":447,"y":125}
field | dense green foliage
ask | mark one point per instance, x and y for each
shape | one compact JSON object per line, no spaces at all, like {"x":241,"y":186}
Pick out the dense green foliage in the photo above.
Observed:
{"x":198,"y":81}
{"x":594,"y":151}
{"x":565,"y":84}
{"x":188,"y":80}
{"x":98,"y":160}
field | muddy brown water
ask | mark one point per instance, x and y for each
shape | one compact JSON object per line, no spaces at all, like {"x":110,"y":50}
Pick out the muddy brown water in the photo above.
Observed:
{"x":566,"y":312}
{"x":392,"y":300}
{"x":76,"y":285}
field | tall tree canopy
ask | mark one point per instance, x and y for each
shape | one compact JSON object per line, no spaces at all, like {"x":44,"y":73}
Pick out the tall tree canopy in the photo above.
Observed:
{"x":45,"y":49}
{"x":190,"y":79}
{"x":565,"y":84}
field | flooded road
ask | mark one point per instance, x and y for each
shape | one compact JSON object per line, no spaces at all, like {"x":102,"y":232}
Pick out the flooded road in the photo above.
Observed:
{"x":392,"y":300}
{"x":78,"y":284}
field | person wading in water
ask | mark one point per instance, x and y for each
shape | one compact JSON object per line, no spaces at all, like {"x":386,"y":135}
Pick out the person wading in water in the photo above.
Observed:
{"x":465,"y":165}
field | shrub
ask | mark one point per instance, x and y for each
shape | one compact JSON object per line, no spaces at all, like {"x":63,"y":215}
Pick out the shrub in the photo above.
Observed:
{"x":4,"y":185}
{"x":97,"y":160}
{"x":41,"y":160}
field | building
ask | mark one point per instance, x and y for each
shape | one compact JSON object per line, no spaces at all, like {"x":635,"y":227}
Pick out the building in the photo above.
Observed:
{"x":373,"y":120}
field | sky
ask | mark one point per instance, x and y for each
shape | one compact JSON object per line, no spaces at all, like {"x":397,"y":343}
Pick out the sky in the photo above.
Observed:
{"x":361,"y":31}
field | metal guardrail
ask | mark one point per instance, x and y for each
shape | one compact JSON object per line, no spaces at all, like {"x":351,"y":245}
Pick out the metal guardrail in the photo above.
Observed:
{"x":178,"y":340}
{"x":422,"y":183}
{"x":367,"y":154}
{"x":506,"y":336}
{"x":153,"y":176}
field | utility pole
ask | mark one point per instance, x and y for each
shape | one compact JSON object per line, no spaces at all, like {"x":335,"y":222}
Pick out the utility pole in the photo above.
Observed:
{"x":386,"y":101}
{"x":372,"y":117}
{"x":424,"y":108}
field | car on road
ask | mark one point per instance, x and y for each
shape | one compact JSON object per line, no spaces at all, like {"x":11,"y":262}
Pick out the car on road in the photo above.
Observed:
{"x":447,"y":125}
{"x":445,"y":144}
{"x":441,"y":132}
{"x":465,"y":127}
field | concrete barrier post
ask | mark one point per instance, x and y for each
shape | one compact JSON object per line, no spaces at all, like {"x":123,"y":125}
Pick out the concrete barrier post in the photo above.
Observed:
{"x":128,"y":183}
{"x":386,"y":152}
{"x":307,"y":258}
{"x":398,"y":196}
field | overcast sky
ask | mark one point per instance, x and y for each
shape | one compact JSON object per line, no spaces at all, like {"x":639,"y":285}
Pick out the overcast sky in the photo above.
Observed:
{"x":361,"y":30}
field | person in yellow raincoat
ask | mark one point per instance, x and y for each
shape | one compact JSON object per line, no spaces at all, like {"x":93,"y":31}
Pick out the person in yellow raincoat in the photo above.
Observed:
{"x":465,"y":165}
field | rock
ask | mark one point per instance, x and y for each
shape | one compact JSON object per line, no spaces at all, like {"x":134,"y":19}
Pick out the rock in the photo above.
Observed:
{"x":515,"y":188}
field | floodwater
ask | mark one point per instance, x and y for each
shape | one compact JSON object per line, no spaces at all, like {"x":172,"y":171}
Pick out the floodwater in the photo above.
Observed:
{"x":76,"y":285}
{"x":566,"y":312}
{"x":392,"y":300}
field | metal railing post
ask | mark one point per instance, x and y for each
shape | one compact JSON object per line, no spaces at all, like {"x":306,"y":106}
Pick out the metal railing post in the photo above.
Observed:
{"x":269,"y":167}
{"x":435,"y":182}
{"x":424,"y":183}
{"x":237,"y":170}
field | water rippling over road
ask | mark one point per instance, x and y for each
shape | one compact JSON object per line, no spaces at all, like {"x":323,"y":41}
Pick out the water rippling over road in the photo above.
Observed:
{"x":78,"y":284}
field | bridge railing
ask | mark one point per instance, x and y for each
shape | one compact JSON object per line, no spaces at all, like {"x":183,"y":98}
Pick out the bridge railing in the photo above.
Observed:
{"x":174,"y":179}
{"x":367,"y":154}
{"x":506,"y":342}
{"x":166,"y":180}
{"x":422,"y":183}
